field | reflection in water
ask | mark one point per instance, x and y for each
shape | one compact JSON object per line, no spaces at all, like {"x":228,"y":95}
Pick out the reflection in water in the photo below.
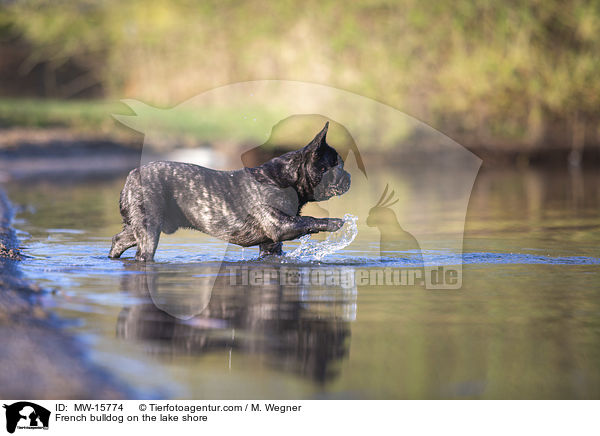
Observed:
{"x":298,"y":317}
{"x":526,"y":323}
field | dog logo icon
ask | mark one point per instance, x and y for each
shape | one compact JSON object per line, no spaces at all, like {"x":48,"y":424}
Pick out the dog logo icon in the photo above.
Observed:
{"x":26,"y":415}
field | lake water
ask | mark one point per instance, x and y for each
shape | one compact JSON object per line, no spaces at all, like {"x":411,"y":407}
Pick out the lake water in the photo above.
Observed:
{"x":524,"y":324}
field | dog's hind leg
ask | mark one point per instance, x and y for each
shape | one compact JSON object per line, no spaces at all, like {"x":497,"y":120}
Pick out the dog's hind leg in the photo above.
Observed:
{"x":147,"y":242}
{"x":121,"y":242}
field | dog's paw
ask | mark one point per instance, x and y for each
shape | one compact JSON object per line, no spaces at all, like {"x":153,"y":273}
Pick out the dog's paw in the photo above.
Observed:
{"x":334,"y":224}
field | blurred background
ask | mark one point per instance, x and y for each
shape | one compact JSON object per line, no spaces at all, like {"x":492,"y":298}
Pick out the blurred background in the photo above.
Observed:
{"x":515,"y":82}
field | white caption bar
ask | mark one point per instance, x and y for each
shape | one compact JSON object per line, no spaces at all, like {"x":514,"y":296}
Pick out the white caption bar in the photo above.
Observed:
{"x":463,"y":418}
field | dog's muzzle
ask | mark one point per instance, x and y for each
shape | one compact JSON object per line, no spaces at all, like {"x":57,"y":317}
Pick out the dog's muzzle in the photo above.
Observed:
{"x":336,"y":181}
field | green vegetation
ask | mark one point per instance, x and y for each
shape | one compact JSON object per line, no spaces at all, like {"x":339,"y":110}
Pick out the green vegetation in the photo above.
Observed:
{"x":78,"y":114}
{"x":488,"y":72}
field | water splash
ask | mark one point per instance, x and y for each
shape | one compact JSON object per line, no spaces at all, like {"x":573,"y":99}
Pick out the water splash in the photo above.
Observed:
{"x":317,"y":250}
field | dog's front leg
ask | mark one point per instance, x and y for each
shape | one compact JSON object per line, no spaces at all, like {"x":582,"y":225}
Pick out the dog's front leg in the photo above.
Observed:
{"x":282,"y":227}
{"x":270,"y":248}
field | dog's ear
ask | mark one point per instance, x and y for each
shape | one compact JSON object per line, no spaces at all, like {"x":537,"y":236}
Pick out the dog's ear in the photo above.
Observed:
{"x":319,"y":140}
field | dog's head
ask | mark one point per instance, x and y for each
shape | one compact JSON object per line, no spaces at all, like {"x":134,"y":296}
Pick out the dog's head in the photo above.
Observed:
{"x":316,"y":171}
{"x":322,"y":172}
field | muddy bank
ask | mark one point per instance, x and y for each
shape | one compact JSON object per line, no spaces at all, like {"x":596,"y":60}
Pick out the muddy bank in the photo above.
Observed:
{"x":62,"y":151}
{"x":39,"y":360}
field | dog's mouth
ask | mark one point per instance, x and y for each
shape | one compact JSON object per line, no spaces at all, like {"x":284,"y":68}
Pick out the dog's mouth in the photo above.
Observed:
{"x":342,"y":187}
{"x":346,"y":184}
{"x":335,"y":186}
{"x":340,"y":191}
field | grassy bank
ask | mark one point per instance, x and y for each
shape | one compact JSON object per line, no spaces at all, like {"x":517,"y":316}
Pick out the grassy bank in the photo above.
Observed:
{"x":83,"y":115}
{"x":88,"y":126}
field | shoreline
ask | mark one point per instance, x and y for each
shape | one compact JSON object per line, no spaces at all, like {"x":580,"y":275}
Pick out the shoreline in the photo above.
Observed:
{"x":64,"y":152}
{"x":26,"y":153}
{"x":39,"y":359}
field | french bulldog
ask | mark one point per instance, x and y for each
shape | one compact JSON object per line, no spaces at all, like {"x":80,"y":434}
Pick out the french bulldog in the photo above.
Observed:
{"x":252,"y":206}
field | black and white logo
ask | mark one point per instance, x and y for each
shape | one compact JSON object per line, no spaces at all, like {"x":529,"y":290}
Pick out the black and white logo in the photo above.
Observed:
{"x":26,"y":415}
